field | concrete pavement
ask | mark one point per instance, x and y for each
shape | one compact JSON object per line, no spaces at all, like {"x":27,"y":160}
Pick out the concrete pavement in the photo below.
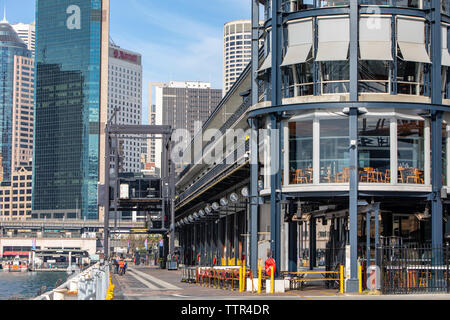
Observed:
{"x":152,"y":283}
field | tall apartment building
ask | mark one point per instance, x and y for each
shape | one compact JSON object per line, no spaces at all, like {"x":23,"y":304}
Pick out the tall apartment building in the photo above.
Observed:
{"x":237,"y":50}
{"x":125,"y":93}
{"x":16,"y":92}
{"x":27,"y":32}
{"x":71,"y":105}
{"x":181,"y":104}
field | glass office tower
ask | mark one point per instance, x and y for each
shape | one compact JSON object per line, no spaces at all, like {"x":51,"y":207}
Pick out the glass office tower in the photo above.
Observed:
{"x":10,"y":45}
{"x":67,"y":117}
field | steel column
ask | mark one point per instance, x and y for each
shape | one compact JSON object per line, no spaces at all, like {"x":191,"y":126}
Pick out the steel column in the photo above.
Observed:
{"x":368,"y":218}
{"x":236,"y":236}
{"x":436,"y":126}
{"x":106,"y":194}
{"x":352,"y":283}
{"x":312,"y":243}
{"x":275,"y":148}
{"x":254,"y":142}
{"x":377,"y":231}
{"x":293,"y":249}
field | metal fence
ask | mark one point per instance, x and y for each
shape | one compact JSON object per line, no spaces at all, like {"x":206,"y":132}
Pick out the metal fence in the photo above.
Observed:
{"x":410,"y":269}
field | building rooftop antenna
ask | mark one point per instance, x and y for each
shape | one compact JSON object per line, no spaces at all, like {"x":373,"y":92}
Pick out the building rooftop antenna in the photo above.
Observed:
{"x":4,"y":15}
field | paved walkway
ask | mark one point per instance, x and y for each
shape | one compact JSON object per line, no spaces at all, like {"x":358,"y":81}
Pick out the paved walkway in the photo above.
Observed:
{"x":151,"y":283}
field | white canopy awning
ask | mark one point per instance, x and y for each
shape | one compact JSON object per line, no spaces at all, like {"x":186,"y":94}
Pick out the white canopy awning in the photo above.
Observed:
{"x":375,"y":38}
{"x":334,"y":39}
{"x":411,"y":40}
{"x":299,"y":42}
{"x":267,"y":64}
{"x":445,"y":55}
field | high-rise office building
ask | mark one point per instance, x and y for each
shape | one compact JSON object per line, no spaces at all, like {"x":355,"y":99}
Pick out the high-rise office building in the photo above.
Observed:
{"x":27,"y":32}
{"x":13,"y":48}
{"x":71,"y":105}
{"x":125,"y":94}
{"x":237,"y":50}
{"x":23,"y":113}
{"x":181,"y":104}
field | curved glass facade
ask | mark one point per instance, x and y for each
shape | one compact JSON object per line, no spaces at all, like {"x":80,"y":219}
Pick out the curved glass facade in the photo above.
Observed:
{"x":10,"y":45}
{"x":66,"y":150}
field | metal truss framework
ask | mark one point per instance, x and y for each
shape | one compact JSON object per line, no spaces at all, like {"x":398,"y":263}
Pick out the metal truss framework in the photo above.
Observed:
{"x":167,"y":175}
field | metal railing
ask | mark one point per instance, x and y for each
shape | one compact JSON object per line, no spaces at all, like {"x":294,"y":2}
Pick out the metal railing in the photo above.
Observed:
{"x":91,"y":284}
{"x":412,"y":269}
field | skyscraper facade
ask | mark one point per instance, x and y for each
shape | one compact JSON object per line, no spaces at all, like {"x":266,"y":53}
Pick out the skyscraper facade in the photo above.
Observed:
{"x":181,"y":104}
{"x":11,"y":47}
{"x":69,"y":104}
{"x":237,"y":49}
{"x":27,"y":32}
{"x":125,"y":93}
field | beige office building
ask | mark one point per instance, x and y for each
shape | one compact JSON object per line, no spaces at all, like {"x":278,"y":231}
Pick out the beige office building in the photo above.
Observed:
{"x":15,"y":196}
{"x":23,"y":112}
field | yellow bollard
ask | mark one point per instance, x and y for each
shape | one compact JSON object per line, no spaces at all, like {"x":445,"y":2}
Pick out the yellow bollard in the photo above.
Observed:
{"x":259,"y":279}
{"x":240,"y":279}
{"x":342,"y":279}
{"x":360,"y":279}
{"x":243,"y":276}
{"x":272,"y":281}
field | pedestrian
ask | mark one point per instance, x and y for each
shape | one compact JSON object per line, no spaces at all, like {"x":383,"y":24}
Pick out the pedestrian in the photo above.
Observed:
{"x":125,"y":265}
{"x":116,"y":266}
{"x":121,"y":267}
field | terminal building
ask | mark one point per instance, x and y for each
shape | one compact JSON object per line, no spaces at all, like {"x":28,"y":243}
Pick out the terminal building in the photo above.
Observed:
{"x":354,"y":99}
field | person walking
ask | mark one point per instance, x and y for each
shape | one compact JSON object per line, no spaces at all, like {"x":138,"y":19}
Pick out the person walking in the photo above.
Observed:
{"x":125,"y":265}
{"x":121,"y":267}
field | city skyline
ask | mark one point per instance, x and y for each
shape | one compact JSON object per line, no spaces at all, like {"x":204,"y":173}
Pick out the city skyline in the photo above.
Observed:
{"x":169,"y":53}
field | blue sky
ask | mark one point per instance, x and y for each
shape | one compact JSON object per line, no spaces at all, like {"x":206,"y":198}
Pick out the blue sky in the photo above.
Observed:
{"x":179,"y":39}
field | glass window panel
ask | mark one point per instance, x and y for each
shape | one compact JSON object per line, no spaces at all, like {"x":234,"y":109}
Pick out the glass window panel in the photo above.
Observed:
{"x":373,"y":76}
{"x":411,"y":151}
{"x":335,"y":76}
{"x":374,"y":150}
{"x":298,"y":80}
{"x":301,"y":152}
{"x":334,"y":150}
{"x":410,"y":77}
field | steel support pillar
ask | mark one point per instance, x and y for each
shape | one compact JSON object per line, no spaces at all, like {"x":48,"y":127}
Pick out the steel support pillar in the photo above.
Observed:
{"x":437,"y":238}
{"x":312,"y":244}
{"x":293,"y":248}
{"x":106,"y":192}
{"x":352,"y":283}
{"x":377,"y":232}
{"x":235,"y":237}
{"x":368,"y":218}
{"x":220,"y":242}
{"x":254,"y":142}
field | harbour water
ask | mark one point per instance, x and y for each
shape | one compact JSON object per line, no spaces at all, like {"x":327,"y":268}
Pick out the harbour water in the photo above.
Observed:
{"x":25,"y":285}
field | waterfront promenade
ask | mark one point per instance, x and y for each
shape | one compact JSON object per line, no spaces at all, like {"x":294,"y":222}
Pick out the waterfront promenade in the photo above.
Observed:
{"x":152,"y":283}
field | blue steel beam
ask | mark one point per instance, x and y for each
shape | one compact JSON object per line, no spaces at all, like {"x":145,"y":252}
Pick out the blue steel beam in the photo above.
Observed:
{"x":337,"y":104}
{"x":254,"y":142}
{"x":436,"y":125}
{"x":352,"y":283}
{"x":275,"y":147}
